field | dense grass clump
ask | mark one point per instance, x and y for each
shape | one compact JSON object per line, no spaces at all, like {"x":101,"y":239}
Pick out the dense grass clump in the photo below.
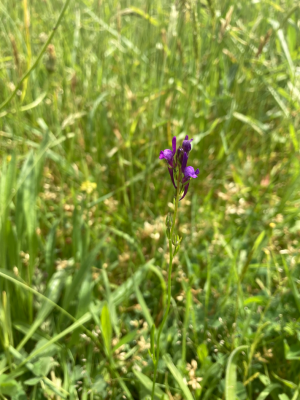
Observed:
{"x":84,"y":198}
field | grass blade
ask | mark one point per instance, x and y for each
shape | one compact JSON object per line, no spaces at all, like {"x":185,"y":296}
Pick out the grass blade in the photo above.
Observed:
{"x":292,"y":284}
{"x":178,"y":377}
{"x":53,"y":292}
{"x":106,"y":328}
{"x":231,"y":379}
{"x":147,"y":383}
{"x":265,"y":393}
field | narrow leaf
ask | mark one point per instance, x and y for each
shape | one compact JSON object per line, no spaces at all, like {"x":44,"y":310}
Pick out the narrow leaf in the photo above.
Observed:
{"x":231,"y":379}
{"x":106,"y":328}
{"x":147,"y":383}
{"x":265,"y":393}
{"x":178,"y":377}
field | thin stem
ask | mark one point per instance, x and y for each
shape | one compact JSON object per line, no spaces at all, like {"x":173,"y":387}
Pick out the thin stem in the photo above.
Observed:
{"x":169,"y":285}
{"x":65,"y":6}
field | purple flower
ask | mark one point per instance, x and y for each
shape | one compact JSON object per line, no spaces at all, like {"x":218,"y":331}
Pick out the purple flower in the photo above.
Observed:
{"x":177,"y":164}
{"x":186,"y":145}
{"x":188,"y":173}
{"x":169,"y":154}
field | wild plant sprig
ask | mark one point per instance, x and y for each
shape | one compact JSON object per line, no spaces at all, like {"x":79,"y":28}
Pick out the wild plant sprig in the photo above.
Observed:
{"x":180,"y":175}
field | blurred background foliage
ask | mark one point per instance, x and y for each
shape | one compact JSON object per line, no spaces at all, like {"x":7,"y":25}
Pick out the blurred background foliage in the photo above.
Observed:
{"x":83,"y":199}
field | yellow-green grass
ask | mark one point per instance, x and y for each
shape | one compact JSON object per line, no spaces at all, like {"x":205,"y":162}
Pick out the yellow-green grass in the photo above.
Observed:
{"x":84,"y":197}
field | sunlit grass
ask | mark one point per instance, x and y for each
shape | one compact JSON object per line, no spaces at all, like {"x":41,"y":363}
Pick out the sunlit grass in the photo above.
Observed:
{"x":83,"y":199}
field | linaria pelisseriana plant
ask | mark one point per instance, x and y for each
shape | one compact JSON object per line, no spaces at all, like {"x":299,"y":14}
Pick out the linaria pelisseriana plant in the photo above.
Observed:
{"x":181,"y":174}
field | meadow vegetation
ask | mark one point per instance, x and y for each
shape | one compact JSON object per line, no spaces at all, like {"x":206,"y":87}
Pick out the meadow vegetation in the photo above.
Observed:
{"x":84,"y":198}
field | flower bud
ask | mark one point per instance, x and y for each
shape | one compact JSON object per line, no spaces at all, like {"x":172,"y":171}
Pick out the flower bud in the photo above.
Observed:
{"x":186,"y":145}
{"x":180,"y":153}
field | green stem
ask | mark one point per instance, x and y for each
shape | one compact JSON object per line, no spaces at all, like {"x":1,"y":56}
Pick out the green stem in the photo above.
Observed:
{"x":25,"y":76}
{"x":169,"y":286}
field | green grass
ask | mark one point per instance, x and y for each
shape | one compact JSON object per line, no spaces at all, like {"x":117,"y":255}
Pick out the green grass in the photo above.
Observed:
{"x":83,"y":199}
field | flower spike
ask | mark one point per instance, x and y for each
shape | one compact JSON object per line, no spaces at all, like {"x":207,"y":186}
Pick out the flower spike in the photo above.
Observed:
{"x":177,"y":160}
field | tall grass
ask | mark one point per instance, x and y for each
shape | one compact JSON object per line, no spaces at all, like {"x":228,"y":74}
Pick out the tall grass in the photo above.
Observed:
{"x":83,"y":199}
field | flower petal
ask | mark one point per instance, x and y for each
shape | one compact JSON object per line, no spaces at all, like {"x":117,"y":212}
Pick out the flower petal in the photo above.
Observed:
{"x":167,"y":155}
{"x":172,"y":177}
{"x":174,"y":144}
{"x":186,"y":188}
{"x":187,"y":138}
{"x":189,"y":172}
{"x":184,"y":162}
